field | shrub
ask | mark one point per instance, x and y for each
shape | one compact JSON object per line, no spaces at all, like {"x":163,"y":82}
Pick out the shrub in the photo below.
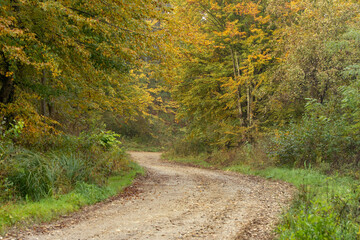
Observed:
{"x":188,"y":147}
{"x":104,"y":139}
{"x":7,"y":191}
{"x":317,"y":138}
{"x":60,"y":166}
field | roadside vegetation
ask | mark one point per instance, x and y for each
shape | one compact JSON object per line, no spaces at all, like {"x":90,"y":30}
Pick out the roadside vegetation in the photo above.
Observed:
{"x":325,"y":207}
{"x":27,"y":212}
{"x":61,"y":176}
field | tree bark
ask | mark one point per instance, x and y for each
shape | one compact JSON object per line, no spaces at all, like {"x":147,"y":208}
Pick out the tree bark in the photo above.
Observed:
{"x":43,"y":101}
{"x":239,"y":90}
{"x":7,"y":83}
{"x":236,"y":76}
{"x":7,"y":89}
{"x":249,"y":114}
{"x":51,"y":109}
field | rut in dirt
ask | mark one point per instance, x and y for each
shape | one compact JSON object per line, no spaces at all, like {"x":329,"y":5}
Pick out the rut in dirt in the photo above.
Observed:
{"x":182,"y":202}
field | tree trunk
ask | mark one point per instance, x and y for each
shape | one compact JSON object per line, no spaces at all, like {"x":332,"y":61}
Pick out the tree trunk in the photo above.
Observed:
{"x":43,"y":101}
{"x":7,"y":83}
{"x":7,"y":89}
{"x":51,"y":109}
{"x":249,"y":102}
{"x":239,"y":91}
{"x":236,"y":77}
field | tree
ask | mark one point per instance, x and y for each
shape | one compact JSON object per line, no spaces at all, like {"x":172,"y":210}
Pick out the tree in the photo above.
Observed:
{"x":221,"y":80}
{"x":64,"y":61}
{"x":312,"y":52}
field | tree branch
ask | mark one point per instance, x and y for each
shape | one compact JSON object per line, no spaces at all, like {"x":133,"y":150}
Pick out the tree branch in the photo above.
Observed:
{"x":103,"y":21}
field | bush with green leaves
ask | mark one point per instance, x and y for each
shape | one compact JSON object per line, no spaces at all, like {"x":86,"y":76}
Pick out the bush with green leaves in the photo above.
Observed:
{"x":7,"y":151}
{"x":188,"y":147}
{"x":91,"y":158}
{"x":100,"y":138}
{"x":320,"y":136}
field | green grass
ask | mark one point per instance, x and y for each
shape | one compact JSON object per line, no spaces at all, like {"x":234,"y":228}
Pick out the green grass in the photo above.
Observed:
{"x":51,"y":208}
{"x":326,"y":207}
{"x":192,"y":160}
{"x":141,"y":147}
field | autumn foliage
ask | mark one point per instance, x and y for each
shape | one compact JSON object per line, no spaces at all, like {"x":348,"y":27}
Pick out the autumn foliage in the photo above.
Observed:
{"x":272,"y":82}
{"x":62,"y":63}
{"x":216,"y":74}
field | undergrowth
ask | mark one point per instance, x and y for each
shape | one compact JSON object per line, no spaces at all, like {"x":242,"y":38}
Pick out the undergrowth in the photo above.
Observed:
{"x":46,"y":209}
{"x":33,"y":173}
{"x":142,"y":144}
{"x":326,"y":207}
{"x":59,"y":173}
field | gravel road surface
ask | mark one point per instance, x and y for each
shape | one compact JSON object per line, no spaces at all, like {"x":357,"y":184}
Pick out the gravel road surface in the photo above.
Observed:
{"x":181,"y":202}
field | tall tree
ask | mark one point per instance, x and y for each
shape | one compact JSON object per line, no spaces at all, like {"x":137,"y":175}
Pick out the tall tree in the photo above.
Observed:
{"x":64,"y":60}
{"x":221,"y":83}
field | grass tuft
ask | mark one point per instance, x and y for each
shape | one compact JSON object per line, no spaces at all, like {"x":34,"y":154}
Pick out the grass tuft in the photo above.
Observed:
{"x":50,"y":208}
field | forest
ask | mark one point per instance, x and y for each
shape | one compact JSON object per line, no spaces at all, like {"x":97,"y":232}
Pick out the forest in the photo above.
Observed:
{"x":263,"y":87}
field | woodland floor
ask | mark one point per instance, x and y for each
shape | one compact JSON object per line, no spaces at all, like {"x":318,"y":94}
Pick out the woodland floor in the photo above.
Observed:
{"x":179,"y":202}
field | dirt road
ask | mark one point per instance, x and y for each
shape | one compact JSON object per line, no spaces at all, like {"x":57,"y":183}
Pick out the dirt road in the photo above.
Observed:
{"x":181,"y":202}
